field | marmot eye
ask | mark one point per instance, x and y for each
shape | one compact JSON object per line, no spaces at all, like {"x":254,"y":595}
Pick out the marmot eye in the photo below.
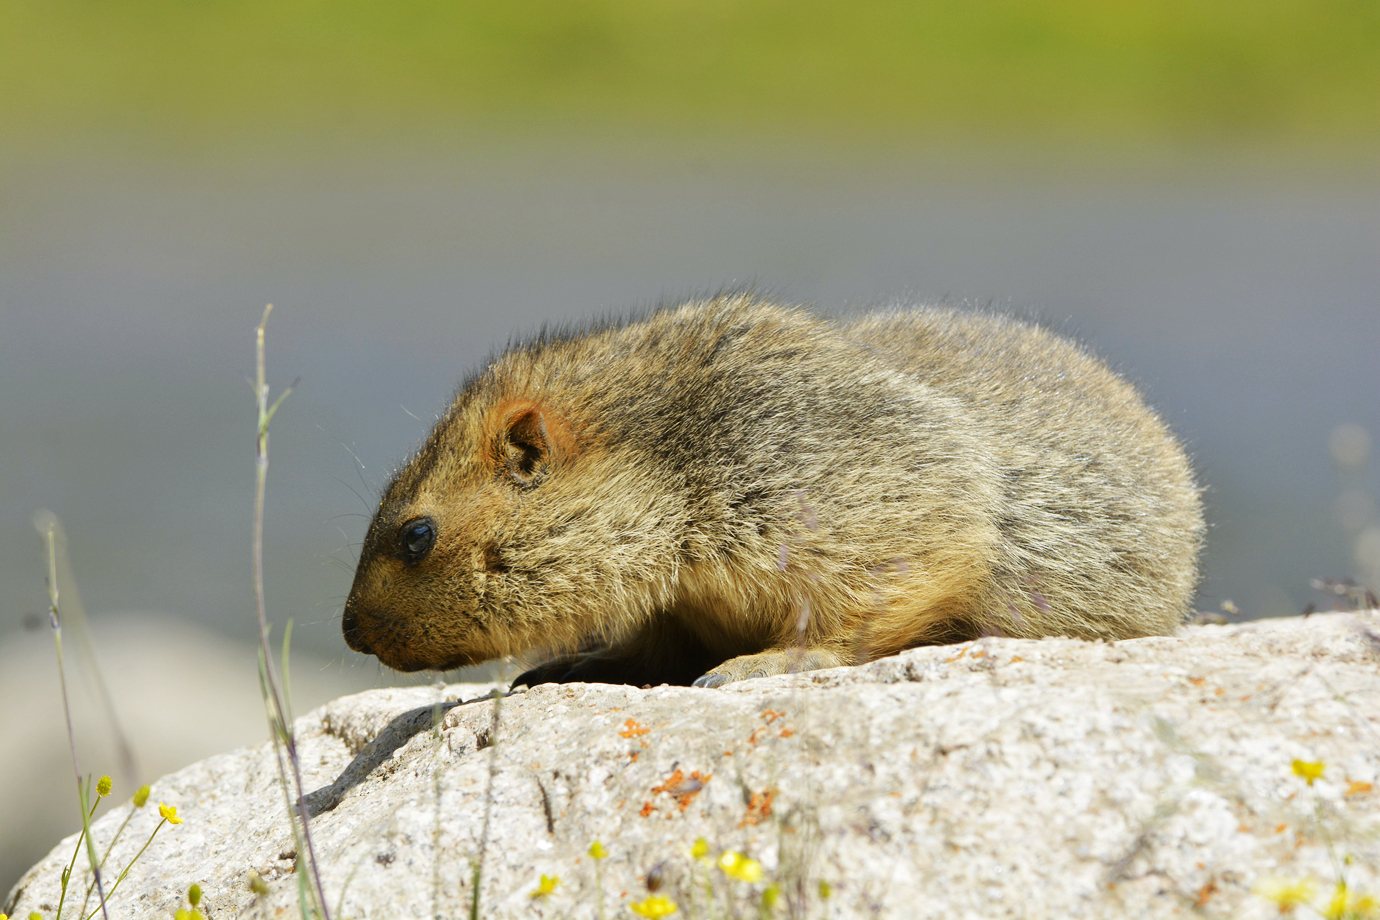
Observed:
{"x":415,"y":539}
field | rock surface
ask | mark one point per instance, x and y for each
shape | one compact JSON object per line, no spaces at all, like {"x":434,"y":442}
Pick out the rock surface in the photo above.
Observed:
{"x":1056,"y":778}
{"x":141,"y":656}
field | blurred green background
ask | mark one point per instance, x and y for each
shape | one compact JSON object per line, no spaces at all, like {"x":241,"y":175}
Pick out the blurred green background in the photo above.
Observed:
{"x":1304,"y":71}
{"x":1189,"y":187}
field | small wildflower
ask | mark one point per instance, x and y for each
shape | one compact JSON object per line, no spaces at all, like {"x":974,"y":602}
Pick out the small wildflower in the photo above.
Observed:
{"x":103,"y":786}
{"x":771,"y":896}
{"x":1345,"y":906}
{"x":169,"y":813}
{"x":547,"y":885}
{"x":825,"y":889}
{"x":1285,"y":893}
{"x":1309,"y":771}
{"x":596,"y":849}
{"x":1336,"y":907}
{"x":701,"y":848}
{"x":141,"y":796}
{"x":655,"y":906}
{"x":740,"y":867}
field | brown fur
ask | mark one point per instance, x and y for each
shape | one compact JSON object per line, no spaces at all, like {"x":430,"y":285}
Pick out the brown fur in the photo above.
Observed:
{"x":734,"y":488}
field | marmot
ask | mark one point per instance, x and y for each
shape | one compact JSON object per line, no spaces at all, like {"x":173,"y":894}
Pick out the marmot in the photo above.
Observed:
{"x":734,"y":488}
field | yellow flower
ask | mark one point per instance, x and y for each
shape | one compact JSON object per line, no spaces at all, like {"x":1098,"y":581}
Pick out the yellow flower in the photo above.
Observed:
{"x":596,"y":849}
{"x":141,"y":795}
{"x":657,"y":905}
{"x":771,"y":896}
{"x":1336,"y":907}
{"x":1285,"y":893}
{"x":825,"y":889}
{"x":103,"y":786}
{"x":701,"y":848}
{"x":547,"y":885}
{"x":1309,"y":771}
{"x":1344,"y":905}
{"x":740,"y":867}
{"x":169,"y":813}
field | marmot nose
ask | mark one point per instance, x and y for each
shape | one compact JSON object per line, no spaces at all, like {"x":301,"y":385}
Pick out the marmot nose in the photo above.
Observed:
{"x":354,"y":636}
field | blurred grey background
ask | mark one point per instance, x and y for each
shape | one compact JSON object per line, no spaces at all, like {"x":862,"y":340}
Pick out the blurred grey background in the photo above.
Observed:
{"x":1233,"y":275}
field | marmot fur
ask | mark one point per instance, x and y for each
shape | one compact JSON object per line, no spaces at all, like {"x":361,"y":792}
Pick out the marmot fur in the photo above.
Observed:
{"x":734,"y":488}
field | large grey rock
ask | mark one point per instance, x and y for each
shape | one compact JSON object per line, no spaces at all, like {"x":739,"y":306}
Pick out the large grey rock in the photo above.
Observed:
{"x":180,"y":692}
{"x":1056,"y":778}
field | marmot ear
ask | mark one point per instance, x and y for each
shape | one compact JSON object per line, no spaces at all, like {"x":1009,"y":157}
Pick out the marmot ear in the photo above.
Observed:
{"x":526,"y":446}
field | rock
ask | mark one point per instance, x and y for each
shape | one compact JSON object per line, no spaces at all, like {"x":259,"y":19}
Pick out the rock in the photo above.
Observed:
{"x":142,"y":656}
{"x":1148,"y":778}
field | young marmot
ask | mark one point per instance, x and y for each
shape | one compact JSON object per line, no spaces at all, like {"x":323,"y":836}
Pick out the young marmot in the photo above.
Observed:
{"x":734,"y":488}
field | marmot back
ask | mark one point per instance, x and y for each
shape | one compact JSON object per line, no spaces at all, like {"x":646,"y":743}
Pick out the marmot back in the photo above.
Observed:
{"x":733,"y":488}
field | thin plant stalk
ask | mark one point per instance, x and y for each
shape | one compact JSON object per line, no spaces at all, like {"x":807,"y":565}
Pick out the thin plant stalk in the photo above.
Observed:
{"x":436,"y":829}
{"x":55,"y":620}
{"x":488,"y":804}
{"x":1338,"y":866}
{"x":599,"y":887}
{"x":131,"y":863}
{"x":71,"y":863}
{"x":119,"y":831}
{"x":280,"y":719}
{"x":77,"y":644}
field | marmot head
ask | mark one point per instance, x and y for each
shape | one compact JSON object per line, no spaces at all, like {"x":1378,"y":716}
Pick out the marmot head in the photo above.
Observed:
{"x":507,"y":531}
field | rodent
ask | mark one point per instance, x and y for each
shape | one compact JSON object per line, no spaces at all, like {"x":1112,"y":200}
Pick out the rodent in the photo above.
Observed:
{"x":733,"y":488}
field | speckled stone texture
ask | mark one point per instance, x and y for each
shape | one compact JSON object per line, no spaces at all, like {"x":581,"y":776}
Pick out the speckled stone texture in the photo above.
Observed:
{"x":998,"y":778}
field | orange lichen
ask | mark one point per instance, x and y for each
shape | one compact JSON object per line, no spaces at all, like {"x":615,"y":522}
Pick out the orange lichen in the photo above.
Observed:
{"x":759,"y":807}
{"x":682,"y":788}
{"x":672,"y":781}
{"x":631,"y":729}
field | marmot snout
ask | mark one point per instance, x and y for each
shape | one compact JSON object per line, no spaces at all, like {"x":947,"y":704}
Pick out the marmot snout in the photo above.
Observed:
{"x":734,"y":488}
